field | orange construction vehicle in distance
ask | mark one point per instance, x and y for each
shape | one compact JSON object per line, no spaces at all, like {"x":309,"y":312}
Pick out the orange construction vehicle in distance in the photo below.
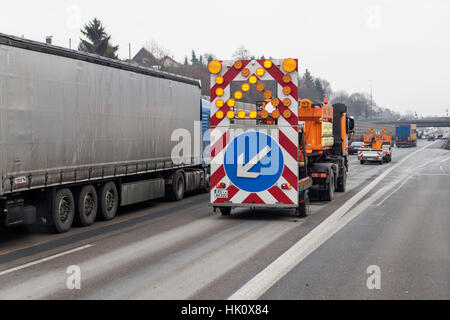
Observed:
{"x":377,"y":147}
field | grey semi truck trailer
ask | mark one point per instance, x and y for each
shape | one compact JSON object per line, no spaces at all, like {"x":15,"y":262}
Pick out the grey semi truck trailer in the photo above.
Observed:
{"x":82,"y":135}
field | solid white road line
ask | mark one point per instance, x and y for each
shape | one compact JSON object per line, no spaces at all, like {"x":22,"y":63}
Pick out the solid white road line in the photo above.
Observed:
{"x":264,"y":280}
{"x":2,"y":273}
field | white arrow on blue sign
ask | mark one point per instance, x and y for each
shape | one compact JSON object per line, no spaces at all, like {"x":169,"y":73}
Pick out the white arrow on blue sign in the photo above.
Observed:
{"x":254,"y":162}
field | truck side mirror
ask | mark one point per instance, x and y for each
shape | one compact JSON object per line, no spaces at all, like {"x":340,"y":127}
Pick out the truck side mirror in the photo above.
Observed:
{"x":350,"y":125}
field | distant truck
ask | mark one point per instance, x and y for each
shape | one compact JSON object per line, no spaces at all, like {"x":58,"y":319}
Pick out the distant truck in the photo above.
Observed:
{"x":406,"y":135}
{"x":82,"y":135}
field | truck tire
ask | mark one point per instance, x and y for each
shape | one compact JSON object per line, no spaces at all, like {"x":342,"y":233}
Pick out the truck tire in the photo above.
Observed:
{"x":342,"y":182}
{"x":207,"y":187}
{"x":87,"y":206}
{"x":381,"y":162}
{"x":225,"y":212}
{"x":362,"y":162}
{"x":109,"y":201}
{"x":177,"y":188}
{"x":63,"y":210}
{"x":329,"y":194}
{"x":303,"y":206}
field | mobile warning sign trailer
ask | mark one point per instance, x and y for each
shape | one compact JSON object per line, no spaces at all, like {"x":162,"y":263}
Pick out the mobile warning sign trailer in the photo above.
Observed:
{"x":255,"y":153}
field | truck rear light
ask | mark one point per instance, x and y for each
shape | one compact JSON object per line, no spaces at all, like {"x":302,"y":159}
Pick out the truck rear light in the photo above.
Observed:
{"x":286,"y":186}
{"x":319,"y":175}
{"x":221,"y":185}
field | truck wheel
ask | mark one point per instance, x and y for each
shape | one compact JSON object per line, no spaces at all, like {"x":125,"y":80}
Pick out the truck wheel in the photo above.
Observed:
{"x":177,"y":189}
{"x":63,"y":210}
{"x":329,"y":194}
{"x":109,"y":201}
{"x":342,"y":182}
{"x":303,"y":207}
{"x":362,"y":162}
{"x":87,"y":206}
{"x":381,"y":162}
{"x":207,"y":188}
{"x":226,"y":212}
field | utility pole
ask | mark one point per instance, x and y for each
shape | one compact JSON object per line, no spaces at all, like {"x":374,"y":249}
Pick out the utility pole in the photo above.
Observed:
{"x":129,"y":51}
{"x":371,"y":100}
{"x":70,"y":43}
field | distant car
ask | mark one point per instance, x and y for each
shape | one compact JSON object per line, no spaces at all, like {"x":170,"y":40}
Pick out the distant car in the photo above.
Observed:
{"x":431,"y":138}
{"x":354,"y":147}
{"x":440,"y":137}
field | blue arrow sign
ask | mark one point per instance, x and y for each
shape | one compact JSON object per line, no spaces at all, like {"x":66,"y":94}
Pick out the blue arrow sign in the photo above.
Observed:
{"x":254,"y":162}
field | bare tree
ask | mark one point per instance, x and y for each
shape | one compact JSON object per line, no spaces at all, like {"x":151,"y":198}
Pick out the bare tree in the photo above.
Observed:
{"x":156,"y":49}
{"x":242,"y":54}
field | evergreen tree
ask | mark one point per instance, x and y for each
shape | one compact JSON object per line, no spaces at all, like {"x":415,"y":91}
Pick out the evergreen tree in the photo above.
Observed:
{"x":97,"y":40}
{"x":307,"y":77}
{"x":319,"y":89}
{"x":194,"y":59}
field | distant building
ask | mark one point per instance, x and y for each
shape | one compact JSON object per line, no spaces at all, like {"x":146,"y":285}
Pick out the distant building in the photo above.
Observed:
{"x":168,"y":62}
{"x":145,"y":59}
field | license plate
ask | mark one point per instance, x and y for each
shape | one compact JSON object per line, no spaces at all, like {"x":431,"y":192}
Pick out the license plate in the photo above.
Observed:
{"x":222,"y":194}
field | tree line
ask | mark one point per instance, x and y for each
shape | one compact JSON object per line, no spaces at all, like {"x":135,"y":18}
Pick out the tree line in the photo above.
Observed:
{"x":360,"y":105}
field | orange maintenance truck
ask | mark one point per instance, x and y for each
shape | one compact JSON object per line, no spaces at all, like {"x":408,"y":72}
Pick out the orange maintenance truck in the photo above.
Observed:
{"x":377,"y":147}
{"x":324,"y":134}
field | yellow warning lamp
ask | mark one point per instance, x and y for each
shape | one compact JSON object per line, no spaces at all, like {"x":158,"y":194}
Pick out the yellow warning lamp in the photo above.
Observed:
{"x":220,"y":115}
{"x":287,"y":102}
{"x":371,"y":130}
{"x":231,"y":103}
{"x":245,"y":72}
{"x":215,"y":67}
{"x":306,"y":104}
{"x":253,"y":80}
{"x":290,"y":65}
{"x":268,"y":64}
{"x":260,"y":87}
{"x":220,"y":103}
{"x":260,"y":72}
{"x":245,"y":87}
{"x":253,"y":114}
{"x":219,"y":92}
{"x":238,"y":65}
{"x":268,"y":94}
{"x":276,"y":114}
{"x":242,"y":114}
{"x":238,"y":95}
{"x":231,"y":114}
{"x":287,"y":114}
{"x":275,"y":102}
{"x":220,"y":80}
{"x":326,"y":101}
{"x":287,"y":91}
{"x":264,"y":114}
{"x":287,"y":78}
{"x":384,"y":130}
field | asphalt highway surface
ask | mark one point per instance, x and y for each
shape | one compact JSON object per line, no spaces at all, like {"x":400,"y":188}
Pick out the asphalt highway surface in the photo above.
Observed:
{"x":398,"y":222}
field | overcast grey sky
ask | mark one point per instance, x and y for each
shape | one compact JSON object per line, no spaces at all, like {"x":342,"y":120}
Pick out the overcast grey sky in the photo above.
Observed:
{"x":403,"y":46}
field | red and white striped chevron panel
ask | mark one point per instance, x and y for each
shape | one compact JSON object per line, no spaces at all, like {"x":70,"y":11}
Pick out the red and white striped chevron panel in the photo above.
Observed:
{"x":284,"y":134}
